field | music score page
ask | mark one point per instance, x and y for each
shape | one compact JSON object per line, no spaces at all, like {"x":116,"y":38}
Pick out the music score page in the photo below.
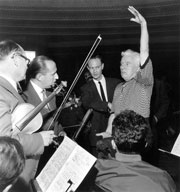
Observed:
{"x":66,"y":168}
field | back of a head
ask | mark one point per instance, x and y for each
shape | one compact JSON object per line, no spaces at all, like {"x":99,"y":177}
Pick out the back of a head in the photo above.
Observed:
{"x":129,"y":131}
{"x":12,"y":161}
{"x":38,"y":65}
{"x":87,"y":76}
{"x":7,"y":47}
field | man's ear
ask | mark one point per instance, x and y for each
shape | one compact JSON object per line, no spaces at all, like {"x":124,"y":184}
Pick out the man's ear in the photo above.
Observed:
{"x":113,"y":144}
{"x":39,"y":77}
{"x":102,"y":66}
{"x":14,"y":58}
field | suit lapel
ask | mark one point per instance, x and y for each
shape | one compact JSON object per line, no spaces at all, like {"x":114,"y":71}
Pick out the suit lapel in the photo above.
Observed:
{"x":32,"y":94}
{"x":109,"y":88}
{"x":34,"y":99}
{"x":6,"y":85}
{"x":94,"y":88}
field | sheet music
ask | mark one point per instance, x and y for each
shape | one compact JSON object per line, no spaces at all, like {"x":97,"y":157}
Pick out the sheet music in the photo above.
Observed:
{"x":176,"y":147}
{"x":66,"y":168}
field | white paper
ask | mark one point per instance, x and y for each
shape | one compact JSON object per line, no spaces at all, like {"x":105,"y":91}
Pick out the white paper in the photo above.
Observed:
{"x":176,"y":147}
{"x":66,"y":169}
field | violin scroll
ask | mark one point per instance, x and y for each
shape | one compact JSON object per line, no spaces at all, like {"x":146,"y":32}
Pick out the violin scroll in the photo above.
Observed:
{"x":59,"y":89}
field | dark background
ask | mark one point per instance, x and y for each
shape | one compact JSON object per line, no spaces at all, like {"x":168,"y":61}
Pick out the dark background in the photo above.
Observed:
{"x":65,"y":30}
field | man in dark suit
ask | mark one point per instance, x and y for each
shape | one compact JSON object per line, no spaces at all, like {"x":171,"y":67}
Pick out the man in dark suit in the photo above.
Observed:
{"x":98,"y":94}
{"x":41,"y":75}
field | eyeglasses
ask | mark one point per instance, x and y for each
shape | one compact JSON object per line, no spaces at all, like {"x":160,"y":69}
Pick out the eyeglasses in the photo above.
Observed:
{"x":26,"y":59}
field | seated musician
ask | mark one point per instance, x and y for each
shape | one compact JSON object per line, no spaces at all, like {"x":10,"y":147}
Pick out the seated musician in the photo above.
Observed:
{"x":127,"y":172}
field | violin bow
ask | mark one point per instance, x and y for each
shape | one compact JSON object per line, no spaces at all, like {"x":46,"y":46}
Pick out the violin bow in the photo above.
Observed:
{"x":58,"y":111}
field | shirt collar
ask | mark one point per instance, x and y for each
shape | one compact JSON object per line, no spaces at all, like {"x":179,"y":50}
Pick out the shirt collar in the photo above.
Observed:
{"x":127,"y":157}
{"x":102,"y":80}
{"x":37,"y":88}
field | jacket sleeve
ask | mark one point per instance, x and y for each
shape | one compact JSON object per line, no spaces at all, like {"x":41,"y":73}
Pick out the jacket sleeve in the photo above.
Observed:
{"x":91,"y":100}
{"x":163,"y":105}
{"x":32,"y":144}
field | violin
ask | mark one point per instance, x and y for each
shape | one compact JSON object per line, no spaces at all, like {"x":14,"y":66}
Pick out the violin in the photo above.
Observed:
{"x":28,"y":118}
{"x":27,"y":123}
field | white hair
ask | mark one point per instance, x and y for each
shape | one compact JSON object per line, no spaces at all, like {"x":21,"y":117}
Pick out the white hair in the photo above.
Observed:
{"x":135,"y":55}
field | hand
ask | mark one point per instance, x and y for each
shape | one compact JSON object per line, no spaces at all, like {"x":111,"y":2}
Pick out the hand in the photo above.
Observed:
{"x":109,"y":106}
{"x":68,"y":104}
{"x":62,"y":133}
{"x":104,"y":134}
{"x":138,"y":17}
{"x":47,"y":137}
{"x":155,"y":119}
{"x":58,"y":130}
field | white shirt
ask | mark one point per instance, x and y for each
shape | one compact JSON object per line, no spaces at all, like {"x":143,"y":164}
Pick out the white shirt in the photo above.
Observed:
{"x":103,"y":83}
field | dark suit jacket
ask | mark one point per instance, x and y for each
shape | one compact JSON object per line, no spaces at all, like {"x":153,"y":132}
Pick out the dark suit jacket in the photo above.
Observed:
{"x":31,"y":96}
{"x":159,"y":100}
{"x":91,"y":99}
{"x":32,"y":144}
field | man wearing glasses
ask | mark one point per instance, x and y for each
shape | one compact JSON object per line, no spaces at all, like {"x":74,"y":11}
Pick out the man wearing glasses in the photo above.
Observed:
{"x":13,"y":66}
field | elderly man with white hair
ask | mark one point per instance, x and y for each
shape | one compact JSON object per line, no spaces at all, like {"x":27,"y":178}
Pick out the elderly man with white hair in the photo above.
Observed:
{"x":136,"y":70}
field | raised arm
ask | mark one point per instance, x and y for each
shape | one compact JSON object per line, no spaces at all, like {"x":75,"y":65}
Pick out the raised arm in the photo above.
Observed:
{"x":144,"y":39}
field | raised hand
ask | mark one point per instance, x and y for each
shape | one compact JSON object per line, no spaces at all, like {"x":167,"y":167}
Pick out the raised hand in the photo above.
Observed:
{"x":138,"y":18}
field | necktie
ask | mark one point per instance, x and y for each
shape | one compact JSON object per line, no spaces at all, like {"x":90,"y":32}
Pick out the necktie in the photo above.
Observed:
{"x":19,"y":89}
{"x":44,"y":97}
{"x":102,"y":92}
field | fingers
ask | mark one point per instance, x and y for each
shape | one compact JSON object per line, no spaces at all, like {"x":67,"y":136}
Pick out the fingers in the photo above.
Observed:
{"x":138,"y":18}
{"x":133,"y":10}
{"x":104,"y":134}
{"x":50,"y":137}
{"x":62,"y":133}
{"x":47,"y":137}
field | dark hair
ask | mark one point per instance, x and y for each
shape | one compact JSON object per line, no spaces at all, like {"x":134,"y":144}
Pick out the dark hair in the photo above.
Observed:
{"x":38,"y":65}
{"x":88,"y":76}
{"x":129,"y":131}
{"x":97,"y":57}
{"x":7,"y":47}
{"x":12,"y":161}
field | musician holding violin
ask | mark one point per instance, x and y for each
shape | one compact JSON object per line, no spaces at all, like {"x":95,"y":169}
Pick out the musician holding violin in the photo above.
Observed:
{"x":40,"y":76}
{"x":13,"y":66}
